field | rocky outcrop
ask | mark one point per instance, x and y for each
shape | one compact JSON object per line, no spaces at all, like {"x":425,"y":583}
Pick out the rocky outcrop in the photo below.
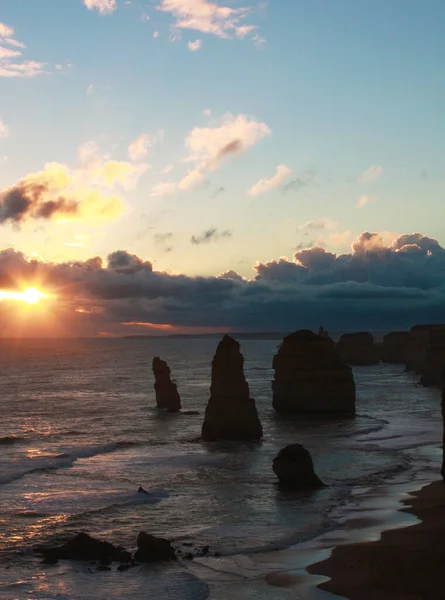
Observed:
{"x":443,"y":420}
{"x":434,"y":364}
{"x":84,"y":547}
{"x":294,"y":468}
{"x":167,"y":396}
{"x":358,"y":349}
{"x":394,"y":345}
{"x":311,"y":377}
{"x":418,"y":346}
{"x":153,"y":549}
{"x":231,"y":413}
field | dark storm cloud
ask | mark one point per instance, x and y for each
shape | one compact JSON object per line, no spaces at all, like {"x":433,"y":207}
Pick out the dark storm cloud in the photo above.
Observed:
{"x":29,"y":199}
{"x":373,"y":286}
{"x":210,"y":235}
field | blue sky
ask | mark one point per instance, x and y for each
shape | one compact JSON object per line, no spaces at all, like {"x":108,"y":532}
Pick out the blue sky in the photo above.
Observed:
{"x":339,"y":100}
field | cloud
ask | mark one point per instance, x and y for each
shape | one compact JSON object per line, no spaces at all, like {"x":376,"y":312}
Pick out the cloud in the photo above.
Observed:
{"x":218,"y":191}
{"x":90,"y":89}
{"x":378,"y":285}
{"x":265,"y":185}
{"x":209,"y":17}
{"x":210,"y":235}
{"x":4,"y":130}
{"x":138,"y":149}
{"x":161,"y":238}
{"x":371,"y":174}
{"x":55,"y":193}
{"x":164,"y":189}
{"x":100,"y":170}
{"x":320,"y":224}
{"x":155,"y":35}
{"x":104,"y":7}
{"x":194,"y":46}
{"x":11,"y":62}
{"x":304,"y":180}
{"x":209,"y":147}
{"x":362,"y":201}
{"x":207,"y":112}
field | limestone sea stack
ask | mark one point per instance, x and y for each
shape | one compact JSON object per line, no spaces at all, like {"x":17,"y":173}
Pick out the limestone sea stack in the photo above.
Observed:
{"x":417,"y":347}
{"x":294,"y":468}
{"x":310,"y":377}
{"x":443,"y":419}
{"x":393,"y":348}
{"x":167,"y":396}
{"x":358,"y":349}
{"x":231,"y":413}
{"x":434,"y":365}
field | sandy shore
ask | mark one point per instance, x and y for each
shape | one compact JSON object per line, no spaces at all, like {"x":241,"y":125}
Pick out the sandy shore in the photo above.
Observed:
{"x":405,"y":564}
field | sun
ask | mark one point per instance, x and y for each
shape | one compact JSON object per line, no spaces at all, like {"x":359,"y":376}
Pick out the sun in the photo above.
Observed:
{"x":32,"y":295}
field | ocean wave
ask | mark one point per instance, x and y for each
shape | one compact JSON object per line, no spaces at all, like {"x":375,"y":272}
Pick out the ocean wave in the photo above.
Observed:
{"x":60,"y":461}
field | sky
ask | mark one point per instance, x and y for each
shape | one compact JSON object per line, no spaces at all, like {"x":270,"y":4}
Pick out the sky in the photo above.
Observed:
{"x":197,"y":165}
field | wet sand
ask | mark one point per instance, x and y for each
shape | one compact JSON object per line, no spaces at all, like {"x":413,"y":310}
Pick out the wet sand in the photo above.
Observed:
{"x":405,"y":564}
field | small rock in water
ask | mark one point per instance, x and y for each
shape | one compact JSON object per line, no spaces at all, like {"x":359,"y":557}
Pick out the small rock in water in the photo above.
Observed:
{"x":294,"y":468}
{"x":142,"y":491}
{"x":153,"y":549}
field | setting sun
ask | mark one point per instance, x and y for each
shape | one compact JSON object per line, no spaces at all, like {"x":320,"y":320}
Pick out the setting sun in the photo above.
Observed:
{"x":30,"y":295}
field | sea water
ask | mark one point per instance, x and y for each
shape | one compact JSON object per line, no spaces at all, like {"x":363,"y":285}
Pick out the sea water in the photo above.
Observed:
{"x":79,"y":433}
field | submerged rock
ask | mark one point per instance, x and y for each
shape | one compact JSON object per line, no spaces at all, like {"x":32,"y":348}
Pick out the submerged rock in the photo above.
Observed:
{"x":311,"y":377}
{"x":231,"y":413}
{"x":358,"y":348}
{"x":84,"y":547}
{"x":393,"y":349}
{"x":294,"y":468}
{"x":167,"y":396}
{"x":153,"y":549}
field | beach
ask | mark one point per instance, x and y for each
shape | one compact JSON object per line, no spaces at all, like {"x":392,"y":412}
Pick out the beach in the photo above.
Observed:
{"x":405,"y":564}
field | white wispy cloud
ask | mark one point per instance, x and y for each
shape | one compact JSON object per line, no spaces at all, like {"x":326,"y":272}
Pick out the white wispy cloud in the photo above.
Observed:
{"x":194,"y":46}
{"x":371,"y":174}
{"x":325,"y":223}
{"x":12,"y":63}
{"x":265,"y":185}
{"x":104,"y":7}
{"x":164,"y":189}
{"x":4,"y":130}
{"x":362,"y":201}
{"x":139,"y":147}
{"x":209,"y":17}
{"x":209,"y":147}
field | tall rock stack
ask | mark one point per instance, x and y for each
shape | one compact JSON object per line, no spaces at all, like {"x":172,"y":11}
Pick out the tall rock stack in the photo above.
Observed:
{"x":418,"y":346}
{"x":393,"y":349}
{"x":167,"y":396}
{"x":443,"y":419}
{"x":434,"y":365}
{"x":310,"y":377}
{"x":358,"y":349}
{"x":231,"y":413}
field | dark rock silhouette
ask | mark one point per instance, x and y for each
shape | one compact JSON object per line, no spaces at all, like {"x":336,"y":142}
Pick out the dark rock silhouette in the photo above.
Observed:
{"x":84,"y":547}
{"x":418,"y":346}
{"x":311,"y":377}
{"x":294,"y":468}
{"x":358,"y":349}
{"x":153,"y":549}
{"x":167,"y":396}
{"x":230,"y":414}
{"x":434,"y":364}
{"x":443,"y":419}
{"x":141,"y":490}
{"x":393,"y":349}
{"x":322,"y":332}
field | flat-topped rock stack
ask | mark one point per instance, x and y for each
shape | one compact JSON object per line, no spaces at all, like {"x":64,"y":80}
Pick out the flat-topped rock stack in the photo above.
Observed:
{"x":231,"y":413}
{"x":418,"y":346}
{"x":358,"y":349}
{"x":167,"y":396}
{"x":310,"y":377}
{"x":394,"y":345}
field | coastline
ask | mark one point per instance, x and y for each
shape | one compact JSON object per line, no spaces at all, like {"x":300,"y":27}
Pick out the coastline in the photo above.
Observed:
{"x":405,"y":564}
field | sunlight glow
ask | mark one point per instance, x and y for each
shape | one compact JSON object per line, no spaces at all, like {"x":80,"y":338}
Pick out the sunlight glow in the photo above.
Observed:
{"x":30,"y":295}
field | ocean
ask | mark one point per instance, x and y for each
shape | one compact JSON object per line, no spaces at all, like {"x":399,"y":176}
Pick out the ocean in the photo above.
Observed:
{"x":79,"y":433}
